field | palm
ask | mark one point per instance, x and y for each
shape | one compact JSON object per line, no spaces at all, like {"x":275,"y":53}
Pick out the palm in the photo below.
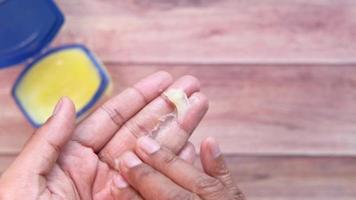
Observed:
{"x":92,"y":180}
{"x":85,"y":168}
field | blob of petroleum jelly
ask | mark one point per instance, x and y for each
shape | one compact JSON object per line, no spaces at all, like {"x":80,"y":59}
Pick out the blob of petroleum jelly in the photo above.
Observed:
{"x":179,"y":99}
{"x":68,"y":72}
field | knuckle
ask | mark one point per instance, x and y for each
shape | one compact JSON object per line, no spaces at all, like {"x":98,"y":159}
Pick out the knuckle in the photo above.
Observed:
{"x":192,"y":80}
{"x":168,"y":158}
{"x":208,"y":185}
{"x":136,"y":127}
{"x":166,"y":74}
{"x":113,"y":113}
{"x":221,"y":169}
{"x":54,"y":146}
{"x":142,"y":173}
{"x":140,"y":94}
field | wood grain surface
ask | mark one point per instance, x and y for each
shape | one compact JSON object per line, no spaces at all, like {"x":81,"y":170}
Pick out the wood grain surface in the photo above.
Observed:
{"x":254,"y":109}
{"x":207,"y":31}
{"x":280,"y":76}
{"x":295,"y":178}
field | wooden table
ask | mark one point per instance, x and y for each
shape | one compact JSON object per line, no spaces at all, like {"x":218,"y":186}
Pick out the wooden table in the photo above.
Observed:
{"x":281,"y":77}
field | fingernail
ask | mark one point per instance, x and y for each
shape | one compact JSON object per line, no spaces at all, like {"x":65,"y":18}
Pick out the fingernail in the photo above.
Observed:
{"x":148,"y":145}
{"x":117,"y":163}
{"x":131,"y":160}
{"x":120,"y":182}
{"x":214,"y":148}
{"x":185,"y":154}
{"x":58,"y":106}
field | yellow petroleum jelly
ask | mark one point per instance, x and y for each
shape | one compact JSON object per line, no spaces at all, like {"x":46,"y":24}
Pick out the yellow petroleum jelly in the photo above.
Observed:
{"x":68,"y":72}
{"x":179,"y":99}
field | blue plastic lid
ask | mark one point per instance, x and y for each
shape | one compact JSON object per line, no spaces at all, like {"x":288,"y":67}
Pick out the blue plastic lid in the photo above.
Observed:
{"x":26,"y":27}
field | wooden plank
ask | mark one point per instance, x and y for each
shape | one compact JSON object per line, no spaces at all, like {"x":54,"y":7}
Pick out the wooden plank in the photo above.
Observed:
{"x":255,"y":109}
{"x":292,"y":178}
{"x":295,"y":178}
{"x":271,"y":109}
{"x":206,"y":31}
{"x":14,"y":129}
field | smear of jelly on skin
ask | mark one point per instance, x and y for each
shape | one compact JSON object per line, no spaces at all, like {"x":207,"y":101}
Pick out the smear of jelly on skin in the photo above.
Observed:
{"x":180,"y":100}
{"x":163,"y":123}
{"x":181,"y":103}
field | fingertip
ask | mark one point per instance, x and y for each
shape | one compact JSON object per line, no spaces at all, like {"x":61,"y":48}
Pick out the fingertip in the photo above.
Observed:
{"x":210,"y":150}
{"x":188,"y":153}
{"x":214,"y":164}
{"x":213,"y":146}
{"x":147,"y":145}
{"x":154,"y":84}
{"x":63,"y":117}
{"x":159,"y":78}
{"x":193,"y":80}
{"x":165,"y":77}
{"x":198,"y":107}
{"x":68,"y":102}
{"x":64,"y":107}
{"x":199,"y":99}
{"x":65,"y":113}
{"x":165,"y":74}
{"x":58,"y":106}
{"x":119,"y":181}
{"x":212,"y":160}
{"x":189,"y":84}
{"x":130,"y":160}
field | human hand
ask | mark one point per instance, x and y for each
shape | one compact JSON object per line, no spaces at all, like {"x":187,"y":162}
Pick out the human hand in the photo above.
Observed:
{"x":161,"y":175}
{"x":64,"y":161}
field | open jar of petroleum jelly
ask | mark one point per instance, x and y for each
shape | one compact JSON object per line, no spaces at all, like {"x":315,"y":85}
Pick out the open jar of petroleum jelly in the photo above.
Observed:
{"x":70,"y":70}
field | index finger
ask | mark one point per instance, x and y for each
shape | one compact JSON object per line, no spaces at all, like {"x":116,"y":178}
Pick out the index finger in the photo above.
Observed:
{"x":151,"y":184}
{"x":181,"y":172}
{"x":98,"y":128}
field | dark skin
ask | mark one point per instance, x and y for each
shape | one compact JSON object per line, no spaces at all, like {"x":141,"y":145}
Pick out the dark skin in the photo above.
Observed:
{"x":63,"y":160}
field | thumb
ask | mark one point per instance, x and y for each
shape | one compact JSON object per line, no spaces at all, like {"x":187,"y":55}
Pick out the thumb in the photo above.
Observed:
{"x":214,"y":164}
{"x":42,"y":150}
